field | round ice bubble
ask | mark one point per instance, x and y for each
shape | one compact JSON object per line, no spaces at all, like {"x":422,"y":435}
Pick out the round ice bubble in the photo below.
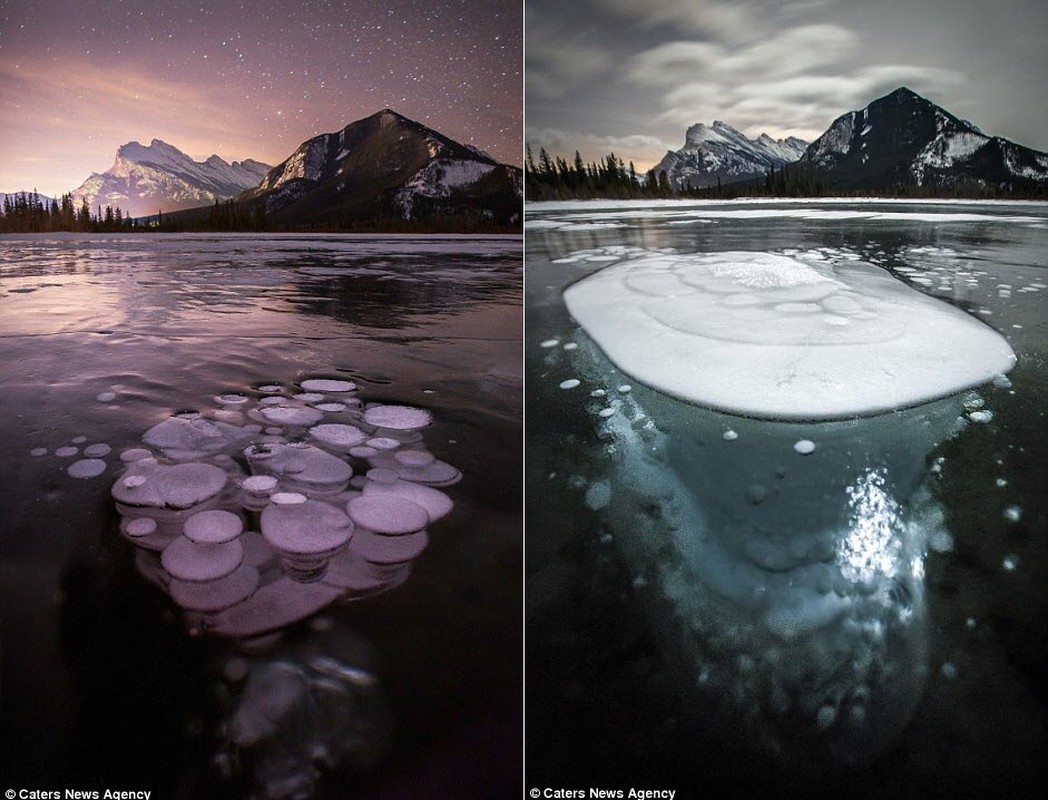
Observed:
{"x":310,"y":527}
{"x":777,"y":337}
{"x":87,"y":468}
{"x":190,"y":561}
{"x":327,"y":385}
{"x":435,"y":502}
{"x":291,"y":415}
{"x":338,"y":435}
{"x":401,"y":418}
{"x":387,"y":514}
{"x":215,"y":595}
{"x":213,"y":527}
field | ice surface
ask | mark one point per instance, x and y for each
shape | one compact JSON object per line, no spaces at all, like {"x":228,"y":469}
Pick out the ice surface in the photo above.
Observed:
{"x":777,"y":336}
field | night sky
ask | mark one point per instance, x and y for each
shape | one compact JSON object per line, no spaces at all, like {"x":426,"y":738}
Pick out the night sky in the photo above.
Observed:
{"x":630,"y":76}
{"x":253,"y":79}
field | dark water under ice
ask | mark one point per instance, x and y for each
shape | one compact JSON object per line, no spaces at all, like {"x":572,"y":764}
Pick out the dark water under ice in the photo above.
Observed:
{"x":703,"y":613}
{"x":101,"y":685}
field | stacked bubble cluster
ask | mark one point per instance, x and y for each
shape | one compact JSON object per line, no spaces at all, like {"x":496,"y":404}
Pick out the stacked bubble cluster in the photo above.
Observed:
{"x":257,"y":513}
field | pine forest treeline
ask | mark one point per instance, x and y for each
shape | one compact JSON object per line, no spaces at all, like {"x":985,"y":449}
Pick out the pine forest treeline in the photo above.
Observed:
{"x":553,"y":178}
{"x":28,"y":212}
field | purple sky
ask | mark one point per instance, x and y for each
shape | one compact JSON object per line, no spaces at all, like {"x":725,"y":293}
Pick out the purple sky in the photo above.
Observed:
{"x":78,"y":78}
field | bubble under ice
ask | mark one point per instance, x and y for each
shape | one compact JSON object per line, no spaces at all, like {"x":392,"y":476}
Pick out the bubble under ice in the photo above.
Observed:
{"x":195,"y":507}
{"x":806,"y":609}
{"x":778,"y":337}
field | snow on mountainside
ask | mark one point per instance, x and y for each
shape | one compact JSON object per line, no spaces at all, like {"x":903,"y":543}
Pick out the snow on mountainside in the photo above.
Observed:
{"x":386,"y":165}
{"x":903,"y":139}
{"x":438,"y":178}
{"x":160,"y":177}
{"x":722,"y":153}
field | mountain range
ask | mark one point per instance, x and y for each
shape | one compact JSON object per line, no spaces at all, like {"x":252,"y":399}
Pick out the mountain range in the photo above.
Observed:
{"x":379,"y":169}
{"x":722,"y":154}
{"x":898,"y":142}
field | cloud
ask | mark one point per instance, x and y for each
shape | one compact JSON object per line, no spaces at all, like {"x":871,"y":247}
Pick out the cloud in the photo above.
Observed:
{"x":644,"y":151}
{"x":791,"y":83}
{"x":557,"y":60}
{"x":727,"y":18}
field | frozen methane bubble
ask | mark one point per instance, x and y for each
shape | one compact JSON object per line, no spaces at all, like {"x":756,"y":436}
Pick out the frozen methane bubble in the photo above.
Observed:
{"x":178,"y":487}
{"x":97,"y":450}
{"x":218,"y":594}
{"x":300,"y":466}
{"x":435,"y":502}
{"x":67,"y":452}
{"x":327,"y":385}
{"x":805,"y":447}
{"x":773,"y":336}
{"x":186,"y":438}
{"x":399,"y":418}
{"x":87,"y":468}
{"x":213,"y":527}
{"x":292,"y":415}
{"x":189,"y":561}
{"x":387,"y":514}
{"x":570,"y":383}
{"x":36,"y":452}
{"x":414,"y":458}
{"x":338,"y":436}
{"x":139,"y":526}
{"x":306,"y":534}
{"x":260,"y":484}
{"x":331,"y":408}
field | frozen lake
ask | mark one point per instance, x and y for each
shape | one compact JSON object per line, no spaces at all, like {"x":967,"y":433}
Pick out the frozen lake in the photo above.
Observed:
{"x":728,"y":604}
{"x":108,"y":683}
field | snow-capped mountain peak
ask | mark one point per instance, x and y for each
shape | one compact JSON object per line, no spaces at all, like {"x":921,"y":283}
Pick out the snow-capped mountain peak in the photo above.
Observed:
{"x":721,"y":152}
{"x":160,"y":177}
{"x":903,"y":139}
{"x":382,"y":165}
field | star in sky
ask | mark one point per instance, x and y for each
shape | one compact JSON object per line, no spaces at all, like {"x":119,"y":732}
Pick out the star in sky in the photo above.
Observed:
{"x":245,"y":79}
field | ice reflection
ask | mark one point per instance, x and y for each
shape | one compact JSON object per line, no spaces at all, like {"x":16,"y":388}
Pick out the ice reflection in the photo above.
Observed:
{"x":795,"y":575}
